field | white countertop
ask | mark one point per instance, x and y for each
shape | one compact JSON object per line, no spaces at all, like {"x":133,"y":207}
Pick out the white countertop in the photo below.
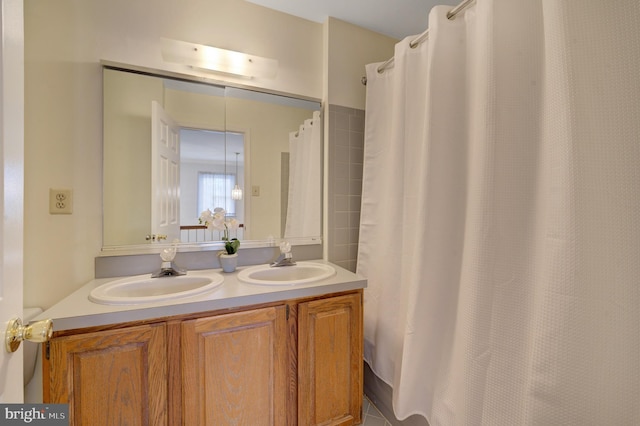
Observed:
{"x":77,"y":311}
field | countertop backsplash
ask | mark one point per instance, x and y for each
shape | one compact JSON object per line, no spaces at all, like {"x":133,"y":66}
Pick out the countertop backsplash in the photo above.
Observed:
{"x":117,"y":266}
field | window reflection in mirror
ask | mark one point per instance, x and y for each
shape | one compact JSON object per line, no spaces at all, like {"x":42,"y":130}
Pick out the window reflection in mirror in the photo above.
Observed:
{"x":228,"y":136}
{"x":211,"y":165}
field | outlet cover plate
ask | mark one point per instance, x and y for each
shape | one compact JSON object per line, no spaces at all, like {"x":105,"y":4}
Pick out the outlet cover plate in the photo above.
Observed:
{"x":60,"y":201}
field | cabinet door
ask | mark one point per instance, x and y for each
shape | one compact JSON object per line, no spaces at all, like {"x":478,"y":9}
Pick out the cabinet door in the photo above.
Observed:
{"x":330,"y":361}
{"x":110,"y":377}
{"x":234,"y":368}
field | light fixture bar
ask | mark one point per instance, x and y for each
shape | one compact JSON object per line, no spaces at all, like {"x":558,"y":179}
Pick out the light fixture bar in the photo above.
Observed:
{"x":218,"y":60}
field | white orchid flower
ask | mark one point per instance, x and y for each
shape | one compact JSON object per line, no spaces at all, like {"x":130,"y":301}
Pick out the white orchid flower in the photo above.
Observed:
{"x":218,"y":223}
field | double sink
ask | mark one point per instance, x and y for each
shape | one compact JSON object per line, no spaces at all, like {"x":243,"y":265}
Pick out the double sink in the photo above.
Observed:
{"x":144,"y":289}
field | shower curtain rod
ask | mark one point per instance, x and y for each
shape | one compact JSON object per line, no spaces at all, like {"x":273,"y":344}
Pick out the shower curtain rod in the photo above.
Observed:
{"x":425,"y":35}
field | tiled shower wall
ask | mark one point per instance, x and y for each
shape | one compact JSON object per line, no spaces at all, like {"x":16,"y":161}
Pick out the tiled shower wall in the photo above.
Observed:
{"x":346,"y":149}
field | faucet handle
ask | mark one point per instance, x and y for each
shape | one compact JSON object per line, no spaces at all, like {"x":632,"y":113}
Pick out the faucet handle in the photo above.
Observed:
{"x":285,"y":247}
{"x":168,"y":253}
{"x":286,"y":257}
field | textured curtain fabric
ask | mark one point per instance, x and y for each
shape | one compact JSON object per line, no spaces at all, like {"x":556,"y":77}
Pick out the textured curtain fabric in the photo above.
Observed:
{"x":304,"y":206}
{"x":500,"y":227}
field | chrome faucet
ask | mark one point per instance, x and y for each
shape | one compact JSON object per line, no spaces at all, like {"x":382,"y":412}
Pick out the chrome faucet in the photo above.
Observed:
{"x":166,"y":268}
{"x":285,"y":258}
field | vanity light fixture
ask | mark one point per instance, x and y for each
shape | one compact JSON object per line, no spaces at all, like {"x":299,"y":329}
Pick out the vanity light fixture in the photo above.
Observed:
{"x":236,"y":192}
{"x":218,"y":60}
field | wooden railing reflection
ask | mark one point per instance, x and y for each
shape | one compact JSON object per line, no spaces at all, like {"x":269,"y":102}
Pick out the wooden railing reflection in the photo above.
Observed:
{"x":200,"y":234}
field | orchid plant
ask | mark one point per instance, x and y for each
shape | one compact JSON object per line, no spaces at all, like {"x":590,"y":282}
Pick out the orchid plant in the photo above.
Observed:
{"x":216,"y":221}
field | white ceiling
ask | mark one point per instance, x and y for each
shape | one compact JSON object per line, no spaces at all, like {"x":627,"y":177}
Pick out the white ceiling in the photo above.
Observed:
{"x":395,"y":18}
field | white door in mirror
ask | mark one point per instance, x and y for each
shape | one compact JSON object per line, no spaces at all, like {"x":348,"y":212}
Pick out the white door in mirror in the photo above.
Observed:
{"x":165,"y":171}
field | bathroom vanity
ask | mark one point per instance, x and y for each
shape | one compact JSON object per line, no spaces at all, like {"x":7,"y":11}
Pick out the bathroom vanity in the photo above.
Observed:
{"x":240,"y":354}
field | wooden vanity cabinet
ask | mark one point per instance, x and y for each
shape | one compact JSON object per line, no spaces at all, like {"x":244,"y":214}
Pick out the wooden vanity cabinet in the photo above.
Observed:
{"x":290,"y":363}
{"x":234,"y":368}
{"x":330,"y":361}
{"x":109,"y":377}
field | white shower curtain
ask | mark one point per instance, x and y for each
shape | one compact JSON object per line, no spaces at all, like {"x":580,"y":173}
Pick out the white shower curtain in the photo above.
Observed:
{"x":304,"y":200}
{"x":500,"y":227}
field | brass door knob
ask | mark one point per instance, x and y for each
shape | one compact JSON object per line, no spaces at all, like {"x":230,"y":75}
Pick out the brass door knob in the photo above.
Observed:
{"x":37,"y":332}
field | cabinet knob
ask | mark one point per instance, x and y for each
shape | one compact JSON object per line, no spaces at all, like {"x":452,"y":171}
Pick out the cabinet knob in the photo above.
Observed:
{"x":37,"y":332}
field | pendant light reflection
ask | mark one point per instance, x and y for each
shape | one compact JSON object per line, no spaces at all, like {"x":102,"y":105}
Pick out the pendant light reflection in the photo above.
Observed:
{"x":236,"y":192}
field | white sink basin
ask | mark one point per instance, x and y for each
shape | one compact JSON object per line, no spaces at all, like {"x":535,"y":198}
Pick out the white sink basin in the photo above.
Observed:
{"x":301,"y":273}
{"x":144,"y":289}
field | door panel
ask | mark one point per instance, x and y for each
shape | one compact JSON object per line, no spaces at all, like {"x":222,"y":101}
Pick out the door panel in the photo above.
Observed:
{"x":165,"y":171}
{"x":110,"y":377}
{"x":330,"y":361}
{"x":234,"y":368}
{"x":11,"y":202}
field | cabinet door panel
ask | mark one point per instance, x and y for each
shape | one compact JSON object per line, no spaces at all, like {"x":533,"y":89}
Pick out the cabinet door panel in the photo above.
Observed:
{"x":111,"y":377}
{"x":234,"y":368}
{"x":330,"y":361}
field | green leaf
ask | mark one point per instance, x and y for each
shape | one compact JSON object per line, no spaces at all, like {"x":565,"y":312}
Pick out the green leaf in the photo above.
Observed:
{"x":232,"y":246}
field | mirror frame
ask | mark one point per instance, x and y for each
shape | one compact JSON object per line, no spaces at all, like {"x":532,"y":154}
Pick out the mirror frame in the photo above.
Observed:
{"x":156,"y":247}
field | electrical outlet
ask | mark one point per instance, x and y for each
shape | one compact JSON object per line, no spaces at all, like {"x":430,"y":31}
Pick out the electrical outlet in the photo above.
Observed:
{"x":60,"y":201}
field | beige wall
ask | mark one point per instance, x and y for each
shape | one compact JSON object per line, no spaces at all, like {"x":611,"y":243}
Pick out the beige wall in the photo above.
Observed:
{"x":127,"y":136}
{"x":64,"y":42}
{"x":348,"y":49}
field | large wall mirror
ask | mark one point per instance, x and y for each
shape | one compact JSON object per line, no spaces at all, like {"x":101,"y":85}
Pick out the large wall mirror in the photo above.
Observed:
{"x":173,"y":148}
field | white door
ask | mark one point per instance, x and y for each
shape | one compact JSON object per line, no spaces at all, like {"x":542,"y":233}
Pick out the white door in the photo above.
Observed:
{"x":165,"y":174}
{"x":11,"y":201}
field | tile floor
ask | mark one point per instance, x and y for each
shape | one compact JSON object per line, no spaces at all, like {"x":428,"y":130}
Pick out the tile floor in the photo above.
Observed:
{"x":371,"y":416}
